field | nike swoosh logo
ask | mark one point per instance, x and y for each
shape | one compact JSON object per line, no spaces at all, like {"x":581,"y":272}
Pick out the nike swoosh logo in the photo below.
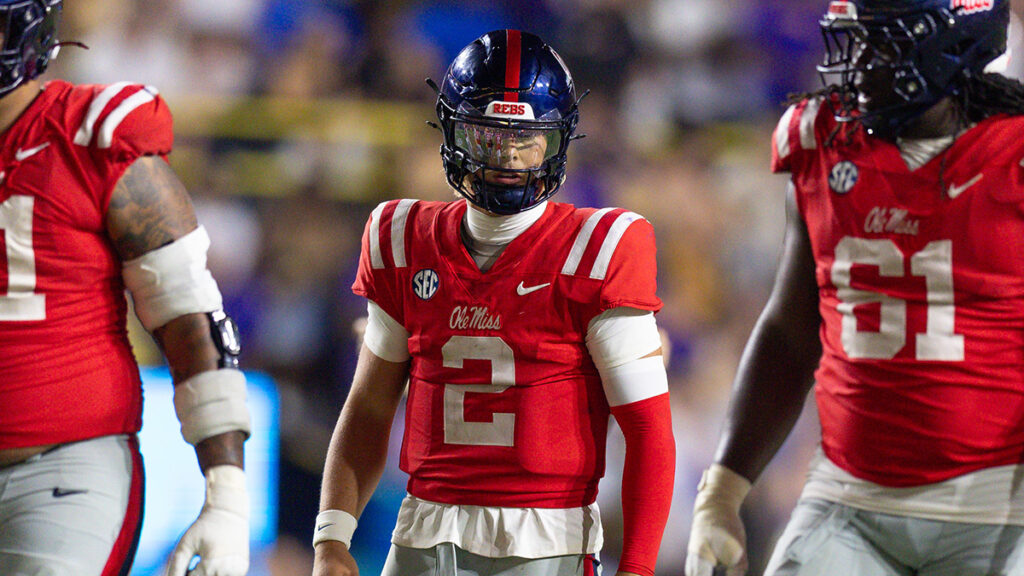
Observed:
{"x":23,"y":154}
{"x":59,"y":493}
{"x":523,"y":290}
{"x":322,"y":526}
{"x":955,"y":191}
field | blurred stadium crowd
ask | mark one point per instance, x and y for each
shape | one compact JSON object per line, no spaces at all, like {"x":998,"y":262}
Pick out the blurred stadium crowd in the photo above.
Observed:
{"x":294,"y":118}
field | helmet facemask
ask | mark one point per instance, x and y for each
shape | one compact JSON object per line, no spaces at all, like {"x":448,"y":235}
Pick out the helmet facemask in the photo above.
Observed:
{"x":503,"y":166}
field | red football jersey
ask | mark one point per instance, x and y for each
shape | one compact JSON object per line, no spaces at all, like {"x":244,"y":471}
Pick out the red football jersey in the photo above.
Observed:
{"x":505,"y":406}
{"x":66,"y":368}
{"x":921,"y":283}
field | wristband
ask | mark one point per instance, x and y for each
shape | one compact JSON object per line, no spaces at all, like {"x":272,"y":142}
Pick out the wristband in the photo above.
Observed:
{"x":334,"y":525}
{"x":212,"y":403}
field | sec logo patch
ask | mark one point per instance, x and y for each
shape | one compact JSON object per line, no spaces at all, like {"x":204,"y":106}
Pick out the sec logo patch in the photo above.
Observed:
{"x":842,"y":177}
{"x":425,"y":283}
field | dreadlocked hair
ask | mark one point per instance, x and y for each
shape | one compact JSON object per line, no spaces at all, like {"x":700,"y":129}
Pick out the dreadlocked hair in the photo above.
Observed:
{"x":983,"y":95}
{"x":990,"y":94}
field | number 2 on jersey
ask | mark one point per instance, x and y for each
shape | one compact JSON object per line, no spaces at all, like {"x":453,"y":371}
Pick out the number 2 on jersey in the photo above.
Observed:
{"x":21,"y":302}
{"x":935,"y":263}
{"x":500,"y":431}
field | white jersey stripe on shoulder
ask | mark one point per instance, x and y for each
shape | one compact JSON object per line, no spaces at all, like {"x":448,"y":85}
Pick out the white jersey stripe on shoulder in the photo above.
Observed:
{"x":376,"y":259}
{"x":118,"y":114}
{"x":84,"y":134}
{"x":611,"y":241}
{"x":807,"y":118}
{"x":398,"y":231}
{"x":582,"y":239}
{"x":782,"y":132}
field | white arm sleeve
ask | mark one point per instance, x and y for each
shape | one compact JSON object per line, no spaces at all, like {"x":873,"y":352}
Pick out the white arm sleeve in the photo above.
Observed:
{"x":384,"y":336}
{"x":618,"y":341}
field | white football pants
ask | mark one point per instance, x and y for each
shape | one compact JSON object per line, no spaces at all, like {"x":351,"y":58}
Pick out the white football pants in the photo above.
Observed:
{"x":75,"y":510}
{"x":826,"y":538}
{"x":449,"y":560}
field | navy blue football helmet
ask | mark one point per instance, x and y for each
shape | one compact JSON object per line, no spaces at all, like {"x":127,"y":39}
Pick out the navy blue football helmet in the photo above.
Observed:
{"x":508,"y":110}
{"x":29,"y":29}
{"x":931,"y":47}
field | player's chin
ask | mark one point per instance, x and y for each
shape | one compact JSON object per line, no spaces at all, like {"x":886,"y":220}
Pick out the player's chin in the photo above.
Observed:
{"x":872,"y":98}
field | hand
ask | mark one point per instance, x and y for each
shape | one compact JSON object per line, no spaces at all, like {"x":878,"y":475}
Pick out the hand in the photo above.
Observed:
{"x":717,"y":537}
{"x":220,"y":536}
{"x":334,"y":559}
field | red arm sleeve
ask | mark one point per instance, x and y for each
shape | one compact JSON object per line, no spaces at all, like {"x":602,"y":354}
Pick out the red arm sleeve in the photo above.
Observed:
{"x":647,"y":480}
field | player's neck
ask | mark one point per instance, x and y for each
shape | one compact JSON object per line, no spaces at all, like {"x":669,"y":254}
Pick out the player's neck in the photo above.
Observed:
{"x":486,"y":235}
{"x":942,"y":119}
{"x":16,"y":102}
{"x":495,"y":230}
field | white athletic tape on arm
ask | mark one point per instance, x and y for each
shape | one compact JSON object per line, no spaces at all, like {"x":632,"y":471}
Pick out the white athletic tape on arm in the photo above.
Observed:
{"x":226,"y":489}
{"x":728,"y":487}
{"x":717,"y":535}
{"x":619,"y":341}
{"x":384,"y":336}
{"x":620,"y":335}
{"x":211,"y":403}
{"x":334,"y":525}
{"x":172,"y":281}
{"x":634,"y":381}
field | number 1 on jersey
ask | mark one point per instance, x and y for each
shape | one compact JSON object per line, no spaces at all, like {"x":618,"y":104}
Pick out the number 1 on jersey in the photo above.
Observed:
{"x":21,"y":302}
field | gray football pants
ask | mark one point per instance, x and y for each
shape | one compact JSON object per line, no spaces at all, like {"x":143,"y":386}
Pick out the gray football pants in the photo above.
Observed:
{"x":828,"y":539}
{"x":449,"y":560}
{"x":75,"y":510}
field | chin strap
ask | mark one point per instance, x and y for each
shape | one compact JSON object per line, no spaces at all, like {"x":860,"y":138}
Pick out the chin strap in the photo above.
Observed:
{"x":506,"y":200}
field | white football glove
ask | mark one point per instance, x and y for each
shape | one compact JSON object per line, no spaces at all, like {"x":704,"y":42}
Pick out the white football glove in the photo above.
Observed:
{"x":220,"y":536}
{"x":717,"y":537}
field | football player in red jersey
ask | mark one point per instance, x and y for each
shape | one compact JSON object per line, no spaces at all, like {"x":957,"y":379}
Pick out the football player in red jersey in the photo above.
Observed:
{"x":900,"y":294}
{"x":89,"y":207}
{"x":521,"y":325}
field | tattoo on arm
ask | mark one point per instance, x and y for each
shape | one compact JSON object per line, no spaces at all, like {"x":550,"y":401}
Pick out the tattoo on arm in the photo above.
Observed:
{"x":149,"y":208}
